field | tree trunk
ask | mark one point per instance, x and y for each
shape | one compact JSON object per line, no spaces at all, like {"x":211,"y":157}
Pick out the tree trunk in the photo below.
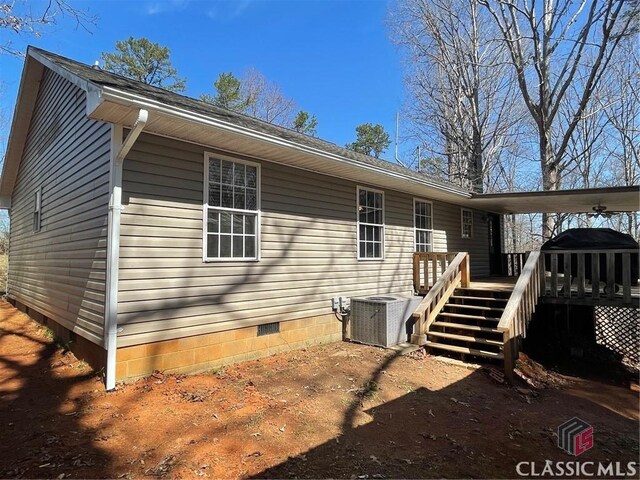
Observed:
{"x":475,"y":169}
{"x":550,"y":182}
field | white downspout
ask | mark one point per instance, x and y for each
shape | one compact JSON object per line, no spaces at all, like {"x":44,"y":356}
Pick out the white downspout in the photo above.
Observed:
{"x":119,"y":150}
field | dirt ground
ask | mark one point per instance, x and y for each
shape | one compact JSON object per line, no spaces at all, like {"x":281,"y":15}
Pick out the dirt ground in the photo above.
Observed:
{"x":341,"y":411}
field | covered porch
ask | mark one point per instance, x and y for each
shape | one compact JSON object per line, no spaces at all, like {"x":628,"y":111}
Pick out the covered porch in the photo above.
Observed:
{"x":490,"y":316}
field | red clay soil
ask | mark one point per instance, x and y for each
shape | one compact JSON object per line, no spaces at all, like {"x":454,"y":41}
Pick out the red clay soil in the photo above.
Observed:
{"x":341,"y":411}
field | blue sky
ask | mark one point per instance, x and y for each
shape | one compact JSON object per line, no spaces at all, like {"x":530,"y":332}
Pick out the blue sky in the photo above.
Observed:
{"x":334,"y":57}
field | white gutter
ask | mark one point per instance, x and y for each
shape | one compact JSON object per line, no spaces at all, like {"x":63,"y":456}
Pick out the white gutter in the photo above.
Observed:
{"x":136,"y":101}
{"x":119,"y":150}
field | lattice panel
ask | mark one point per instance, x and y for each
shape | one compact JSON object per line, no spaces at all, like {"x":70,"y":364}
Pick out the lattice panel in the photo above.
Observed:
{"x":619,"y":329}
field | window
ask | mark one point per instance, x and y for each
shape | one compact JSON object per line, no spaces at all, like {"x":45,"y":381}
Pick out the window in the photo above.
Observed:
{"x":467,"y":223}
{"x":370,"y":224}
{"x":231,"y":209}
{"x":37,"y":208}
{"x":423,"y":225}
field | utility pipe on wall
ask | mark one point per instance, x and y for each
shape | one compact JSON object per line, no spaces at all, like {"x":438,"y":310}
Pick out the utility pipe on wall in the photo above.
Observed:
{"x":119,"y":151}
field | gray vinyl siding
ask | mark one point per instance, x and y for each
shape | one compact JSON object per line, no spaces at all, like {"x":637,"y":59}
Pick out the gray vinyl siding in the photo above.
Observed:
{"x":308,"y":247}
{"x":447,"y":225}
{"x":60,"y":270}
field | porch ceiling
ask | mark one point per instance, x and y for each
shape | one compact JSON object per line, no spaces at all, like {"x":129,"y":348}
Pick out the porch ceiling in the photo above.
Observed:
{"x":615,"y":199}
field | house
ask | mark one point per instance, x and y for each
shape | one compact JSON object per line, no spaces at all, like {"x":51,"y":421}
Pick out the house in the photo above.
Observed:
{"x":153,"y":231}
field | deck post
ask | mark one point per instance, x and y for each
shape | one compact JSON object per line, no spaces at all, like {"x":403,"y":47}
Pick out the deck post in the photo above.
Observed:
{"x":419,"y":337}
{"x":416,"y":273}
{"x":509,"y":355}
{"x":466,"y":272}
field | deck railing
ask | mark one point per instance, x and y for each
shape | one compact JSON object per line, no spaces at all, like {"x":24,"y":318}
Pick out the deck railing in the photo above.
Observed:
{"x":428,"y":267}
{"x":590,"y":274}
{"x":455,"y":274}
{"x":512,"y":264}
{"x":520,"y":308}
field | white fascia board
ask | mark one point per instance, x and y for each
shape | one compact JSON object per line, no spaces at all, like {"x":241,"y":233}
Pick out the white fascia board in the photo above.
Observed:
{"x":93,"y":91}
{"x":27,"y":95}
{"x":112,"y":95}
{"x":22,"y":113}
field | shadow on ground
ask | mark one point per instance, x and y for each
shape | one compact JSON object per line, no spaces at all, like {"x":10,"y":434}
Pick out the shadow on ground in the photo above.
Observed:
{"x":40,"y":405}
{"x":466,"y":430}
{"x":338,"y":411}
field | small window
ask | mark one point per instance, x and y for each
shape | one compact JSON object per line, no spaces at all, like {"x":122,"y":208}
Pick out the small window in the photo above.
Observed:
{"x":370,"y":224}
{"x":467,"y":223}
{"x":231,"y":209}
{"x":423,"y":225}
{"x":37,"y":208}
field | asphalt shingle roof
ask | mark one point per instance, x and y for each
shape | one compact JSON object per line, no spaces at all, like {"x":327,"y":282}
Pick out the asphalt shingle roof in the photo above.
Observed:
{"x":101,"y":77}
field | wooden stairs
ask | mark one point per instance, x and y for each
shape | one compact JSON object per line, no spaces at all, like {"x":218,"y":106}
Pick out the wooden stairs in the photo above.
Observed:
{"x":478,"y":319}
{"x":467,"y":324}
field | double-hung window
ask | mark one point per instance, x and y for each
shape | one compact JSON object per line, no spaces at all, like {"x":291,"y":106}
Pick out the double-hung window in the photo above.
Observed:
{"x":467,"y":223}
{"x":370,"y":224}
{"x":423,"y":225}
{"x":231,"y":209}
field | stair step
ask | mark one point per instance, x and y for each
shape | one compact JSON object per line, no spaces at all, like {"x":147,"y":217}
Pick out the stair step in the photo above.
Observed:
{"x":466,"y":338}
{"x":469,"y":351}
{"x":474,"y":307}
{"x":462,"y":326}
{"x":468,"y":317}
{"x":493,"y":293}
{"x":485,"y":299}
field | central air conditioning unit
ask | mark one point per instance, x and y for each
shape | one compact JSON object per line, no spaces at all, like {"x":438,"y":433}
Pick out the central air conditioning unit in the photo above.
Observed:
{"x":383,"y":321}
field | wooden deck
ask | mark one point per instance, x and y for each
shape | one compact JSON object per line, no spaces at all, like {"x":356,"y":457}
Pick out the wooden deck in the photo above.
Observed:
{"x":587,"y":298}
{"x":456,"y":314}
{"x":504,"y":284}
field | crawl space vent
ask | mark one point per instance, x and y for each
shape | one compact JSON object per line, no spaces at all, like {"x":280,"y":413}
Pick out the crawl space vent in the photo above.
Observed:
{"x":268,"y":328}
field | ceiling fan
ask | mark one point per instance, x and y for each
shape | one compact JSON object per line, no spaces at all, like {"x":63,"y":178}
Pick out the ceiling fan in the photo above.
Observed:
{"x":600,"y":211}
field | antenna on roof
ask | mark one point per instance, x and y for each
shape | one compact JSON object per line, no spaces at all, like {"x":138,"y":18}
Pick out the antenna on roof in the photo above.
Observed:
{"x":397,"y":129}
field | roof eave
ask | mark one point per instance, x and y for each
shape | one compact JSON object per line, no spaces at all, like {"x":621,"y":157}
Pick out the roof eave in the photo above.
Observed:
{"x":119,"y":106}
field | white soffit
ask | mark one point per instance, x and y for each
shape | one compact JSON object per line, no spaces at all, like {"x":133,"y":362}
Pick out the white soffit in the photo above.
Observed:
{"x":615,"y":199}
{"x":119,"y":108}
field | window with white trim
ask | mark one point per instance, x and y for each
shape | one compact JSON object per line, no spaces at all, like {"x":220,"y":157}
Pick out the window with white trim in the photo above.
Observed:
{"x":37,"y":210}
{"x":423,"y":225}
{"x":370,"y":224}
{"x":231,"y":210}
{"x":467,"y":222}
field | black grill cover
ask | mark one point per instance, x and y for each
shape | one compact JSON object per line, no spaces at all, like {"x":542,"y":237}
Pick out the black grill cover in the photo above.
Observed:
{"x":591,"y":239}
{"x":594,"y":239}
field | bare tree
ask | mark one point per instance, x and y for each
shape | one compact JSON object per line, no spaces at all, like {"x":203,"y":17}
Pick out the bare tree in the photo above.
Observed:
{"x":24,"y":18}
{"x":463,"y":101}
{"x":605,"y":149}
{"x":621,"y":106}
{"x":255,"y":95}
{"x":548,"y":41}
{"x":265,"y":99}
